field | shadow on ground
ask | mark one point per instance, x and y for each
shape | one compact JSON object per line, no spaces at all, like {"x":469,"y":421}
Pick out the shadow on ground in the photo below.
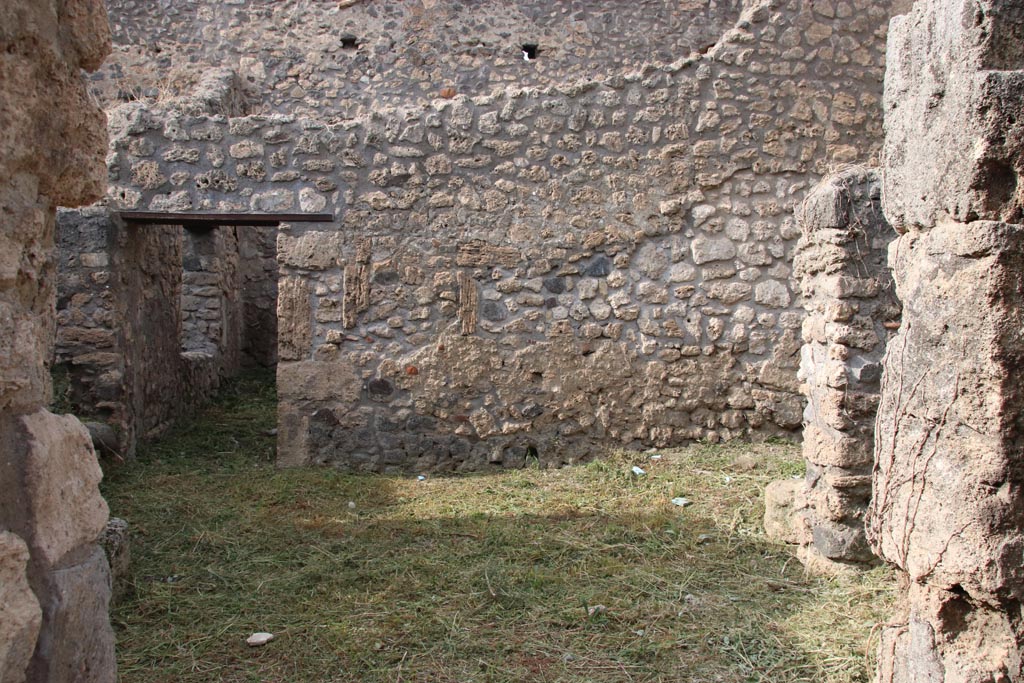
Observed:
{"x":580,"y":574}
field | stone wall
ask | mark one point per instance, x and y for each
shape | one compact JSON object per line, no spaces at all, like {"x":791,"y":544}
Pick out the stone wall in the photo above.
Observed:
{"x":150,"y":319}
{"x":257,"y":247}
{"x":343,"y":59}
{"x":539,"y":272}
{"x":947,"y":507}
{"x":848,"y":293}
{"x":54,"y":579}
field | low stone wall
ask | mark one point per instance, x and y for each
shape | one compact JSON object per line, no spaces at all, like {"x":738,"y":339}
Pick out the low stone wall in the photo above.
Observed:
{"x":537,"y":272}
{"x":852,"y":310}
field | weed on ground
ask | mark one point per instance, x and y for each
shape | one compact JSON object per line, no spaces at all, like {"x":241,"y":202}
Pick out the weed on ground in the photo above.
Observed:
{"x":589,"y":573}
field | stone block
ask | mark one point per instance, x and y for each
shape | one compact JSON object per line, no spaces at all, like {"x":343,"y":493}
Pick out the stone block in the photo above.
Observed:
{"x":55,"y":471}
{"x":944,"y":104}
{"x":947,"y":505}
{"x":840,"y":542}
{"x":76,"y":642}
{"x":310,"y":251}
{"x":294,"y":315}
{"x":708,"y":248}
{"x":20,"y":614}
{"x":292,"y":436}
{"x":783,"y":504}
{"x":312,"y":381}
{"x":829,"y":447}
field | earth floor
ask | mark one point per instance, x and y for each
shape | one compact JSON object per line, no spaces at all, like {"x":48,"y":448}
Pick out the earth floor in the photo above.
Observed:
{"x":589,"y":573}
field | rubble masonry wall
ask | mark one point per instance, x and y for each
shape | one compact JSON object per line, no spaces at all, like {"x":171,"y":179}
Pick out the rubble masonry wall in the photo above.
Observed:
{"x":539,"y":272}
{"x":848,"y":293}
{"x":150,"y":319}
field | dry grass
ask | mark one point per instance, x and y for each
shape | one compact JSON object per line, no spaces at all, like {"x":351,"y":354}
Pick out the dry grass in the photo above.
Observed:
{"x":494,"y":578}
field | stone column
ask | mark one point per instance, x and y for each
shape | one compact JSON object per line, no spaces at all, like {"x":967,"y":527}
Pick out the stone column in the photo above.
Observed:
{"x":52,"y":146}
{"x":847,"y":291}
{"x":948,"y":505}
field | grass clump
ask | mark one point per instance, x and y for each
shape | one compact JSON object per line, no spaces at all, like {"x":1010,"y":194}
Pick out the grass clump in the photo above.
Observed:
{"x":581,"y":574}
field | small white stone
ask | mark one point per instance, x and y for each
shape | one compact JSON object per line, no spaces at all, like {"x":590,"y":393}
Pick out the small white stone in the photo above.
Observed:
{"x":257,"y":639}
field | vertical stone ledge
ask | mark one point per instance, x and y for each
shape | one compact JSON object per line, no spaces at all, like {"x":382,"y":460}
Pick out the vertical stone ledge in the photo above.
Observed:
{"x":848,"y":293}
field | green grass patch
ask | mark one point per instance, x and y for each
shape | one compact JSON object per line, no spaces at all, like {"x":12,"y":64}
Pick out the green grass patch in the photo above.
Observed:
{"x":580,"y":574}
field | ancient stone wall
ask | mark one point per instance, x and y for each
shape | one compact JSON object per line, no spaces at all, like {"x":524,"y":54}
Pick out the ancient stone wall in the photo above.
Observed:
{"x":947,"y":506}
{"x":847,"y":291}
{"x":150,"y":320}
{"x":539,"y":272}
{"x":257,"y":250}
{"x":342,"y":59}
{"x":54,"y":580}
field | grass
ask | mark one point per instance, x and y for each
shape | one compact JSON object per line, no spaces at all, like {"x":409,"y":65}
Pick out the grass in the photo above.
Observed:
{"x":580,"y":574}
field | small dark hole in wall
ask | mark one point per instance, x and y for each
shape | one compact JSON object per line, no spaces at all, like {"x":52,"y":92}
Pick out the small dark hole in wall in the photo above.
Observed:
{"x":531,"y":452}
{"x":349,"y":41}
{"x":530,"y":51}
{"x":536,"y":376}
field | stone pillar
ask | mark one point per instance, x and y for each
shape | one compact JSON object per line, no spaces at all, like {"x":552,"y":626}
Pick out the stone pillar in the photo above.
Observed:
{"x":52,"y":146}
{"x":948,"y":505}
{"x":847,"y":291}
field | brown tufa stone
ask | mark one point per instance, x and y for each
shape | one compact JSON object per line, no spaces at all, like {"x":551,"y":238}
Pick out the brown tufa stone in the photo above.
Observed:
{"x":57,"y":471}
{"x":295,"y":329}
{"x":948,"y":508}
{"x":22,"y":616}
{"x":843,"y":236}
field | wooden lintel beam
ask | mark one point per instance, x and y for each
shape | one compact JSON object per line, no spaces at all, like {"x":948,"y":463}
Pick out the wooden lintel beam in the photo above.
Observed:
{"x":210,"y":220}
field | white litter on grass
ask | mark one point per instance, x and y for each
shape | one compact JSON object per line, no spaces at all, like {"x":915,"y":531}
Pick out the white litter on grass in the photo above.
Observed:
{"x":351,"y":505}
{"x":655,"y":457}
{"x":421,"y":478}
{"x":638,"y":471}
{"x":596,"y":609}
{"x":728,"y":479}
{"x":257,"y":639}
{"x":682,"y":502}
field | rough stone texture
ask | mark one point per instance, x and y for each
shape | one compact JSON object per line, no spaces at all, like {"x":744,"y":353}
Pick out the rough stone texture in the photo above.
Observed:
{"x":55,"y":472}
{"x":405,"y":50}
{"x":116,"y":543}
{"x":52,"y":143}
{"x":635,"y":231}
{"x":783,"y":504}
{"x":965,"y":117}
{"x":848,"y":293}
{"x":947,"y":506}
{"x":150,"y":319}
{"x":22,"y":616}
{"x":73,"y":646}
